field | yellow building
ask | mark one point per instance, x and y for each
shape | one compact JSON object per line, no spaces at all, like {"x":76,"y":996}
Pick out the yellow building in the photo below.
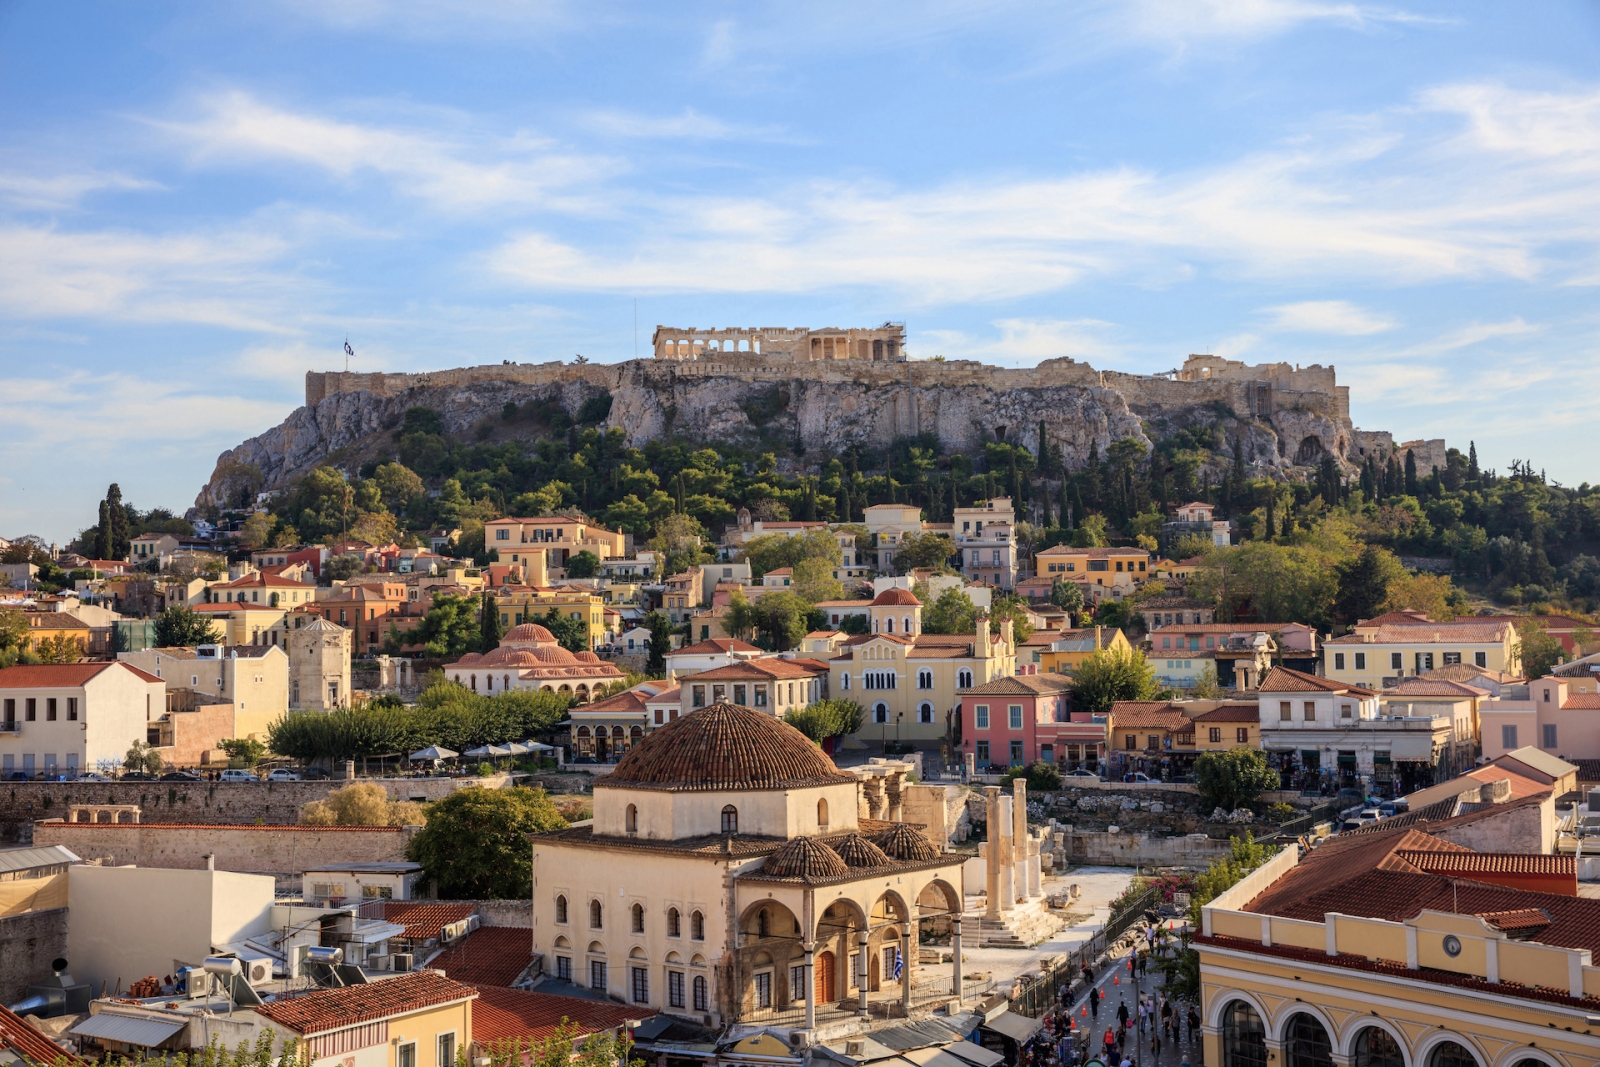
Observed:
{"x":243,"y":623}
{"x":542,"y":546}
{"x":415,"y":1020}
{"x":1119,"y":569}
{"x":1227,"y":727}
{"x":1070,"y":648}
{"x":520,"y":605}
{"x":1397,"y":948}
{"x":1404,"y":644}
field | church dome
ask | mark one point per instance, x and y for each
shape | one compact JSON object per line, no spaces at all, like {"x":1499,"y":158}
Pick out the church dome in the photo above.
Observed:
{"x":528,"y":633}
{"x":724,"y":746}
{"x":586,"y":657}
{"x":895,"y":597}
{"x":469,"y":660}
{"x":520,"y":658}
{"x":805,"y":857}
{"x":905,"y":843}
{"x":857,"y":851}
{"x":557,"y":655}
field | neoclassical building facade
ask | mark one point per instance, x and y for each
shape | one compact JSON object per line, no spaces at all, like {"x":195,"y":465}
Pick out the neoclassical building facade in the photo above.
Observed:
{"x":529,"y":657}
{"x":733,"y":874}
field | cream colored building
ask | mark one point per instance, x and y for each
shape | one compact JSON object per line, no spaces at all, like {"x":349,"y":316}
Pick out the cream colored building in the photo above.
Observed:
{"x":1379,"y":652}
{"x":1117,"y":569}
{"x":889,"y":524}
{"x":908,"y":680}
{"x":421,"y":1019}
{"x":244,"y":623}
{"x":70,"y":718}
{"x":319,"y":666}
{"x":542,"y":545}
{"x":255,"y":678}
{"x":733,"y":874}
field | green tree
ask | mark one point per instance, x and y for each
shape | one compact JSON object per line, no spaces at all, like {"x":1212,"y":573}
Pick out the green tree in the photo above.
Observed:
{"x":826,"y":718}
{"x":677,"y":544}
{"x":120,"y":541}
{"x":660,"y":627}
{"x":474,"y":846}
{"x":924,"y":551}
{"x":1190,"y":546}
{"x":1233,"y":779}
{"x":583,"y":565}
{"x":1540,"y":651}
{"x":952,"y":612}
{"x":246,"y":750}
{"x":1364,"y":581}
{"x":855,"y":625}
{"x":1091,"y":532}
{"x":141,"y":758}
{"x":1110,"y":675}
{"x":489,"y":629}
{"x":572,"y":634}
{"x":450,"y":629}
{"x":13,"y":628}
{"x":362,"y":804}
{"x":1066,"y":595}
{"x":180,"y":626}
{"x":814,"y":581}
{"x":1205,"y":686}
{"x":1042,"y":777}
{"x":770,"y":552}
{"x":1013,"y":607}
{"x":782,"y":619}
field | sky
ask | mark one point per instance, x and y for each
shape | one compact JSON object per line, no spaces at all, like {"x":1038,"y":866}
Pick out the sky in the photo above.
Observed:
{"x":201,"y":202}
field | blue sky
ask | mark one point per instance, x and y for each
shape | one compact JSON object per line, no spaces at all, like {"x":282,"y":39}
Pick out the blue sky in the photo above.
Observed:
{"x":199,"y":202}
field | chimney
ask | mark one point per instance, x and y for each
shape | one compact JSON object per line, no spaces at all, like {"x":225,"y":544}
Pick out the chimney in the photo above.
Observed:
{"x":211,"y":857}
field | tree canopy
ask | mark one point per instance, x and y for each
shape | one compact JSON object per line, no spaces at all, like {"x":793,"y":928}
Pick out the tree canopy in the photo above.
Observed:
{"x":1110,"y":675}
{"x":474,"y":845}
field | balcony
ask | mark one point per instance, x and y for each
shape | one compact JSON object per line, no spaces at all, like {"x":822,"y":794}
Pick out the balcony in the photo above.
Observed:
{"x":10,"y":726}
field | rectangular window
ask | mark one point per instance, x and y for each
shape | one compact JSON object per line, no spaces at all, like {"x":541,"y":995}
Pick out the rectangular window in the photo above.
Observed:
{"x":1480,"y":659}
{"x":1242,"y":735}
{"x":980,"y":713}
{"x":1015,"y":711}
{"x":641,"y":985}
{"x":502,"y":535}
{"x":1215,"y":735}
{"x":1361,"y":661}
{"x":1450,"y":659}
{"x":797,"y":983}
{"x":763,"y":991}
{"x":1508,"y":737}
{"x":1097,"y":565}
{"x":699,"y":697}
{"x":738,"y":696}
{"x":1131,"y":742}
{"x":1549,"y":740}
{"x":32,"y":709}
{"x":983,"y":753}
{"x":1310,"y":711}
{"x":11,"y":710}
{"x":564,"y":968}
{"x":447,"y":1050}
{"x":1016,"y":753}
{"x":1346,"y":711}
{"x":1338,"y":661}
{"x":1396,"y":663}
{"x":49,"y":709}
{"x":406,"y":1055}
{"x":1285,"y":712}
{"x":597,"y":975}
{"x":891,"y":955}
{"x":1166,"y":642}
{"x":675,"y":989}
{"x":761,"y":696}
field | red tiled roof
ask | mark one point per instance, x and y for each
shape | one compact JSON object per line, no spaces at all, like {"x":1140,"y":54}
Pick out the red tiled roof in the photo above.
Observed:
{"x":1521,"y":785}
{"x":764,"y":667}
{"x":713,"y":646}
{"x":1231,"y":713}
{"x":1582,"y":702}
{"x":1021,"y":685}
{"x":1435,"y":687}
{"x":322,"y":1010}
{"x":62,"y":675}
{"x":1518,"y":919}
{"x":489,"y":956}
{"x":1146,"y":715}
{"x":18,"y":1035}
{"x":1427,"y":633}
{"x":511,"y":1014}
{"x":1284,"y":680}
{"x":891,"y":597}
{"x":724,"y":746}
{"x":305,"y":828}
{"x":1489,"y":862}
{"x":423,"y":921}
{"x":627,"y":700}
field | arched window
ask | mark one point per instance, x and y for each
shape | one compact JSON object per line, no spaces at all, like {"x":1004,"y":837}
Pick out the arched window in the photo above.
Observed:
{"x":594,"y":915}
{"x":888,"y":626}
{"x":638,"y":918}
{"x":905,"y":625}
{"x":925,"y":679}
{"x":505,"y":681}
{"x":488,"y":683}
{"x":1450,"y":1054}
{"x":730,"y":820}
{"x":763,"y":923}
{"x":561,"y":910}
{"x":631,"y":819}
{"x":822,"y":813}
{"x":672,"y":923}
{"x":697,"y":926}
{"x":964,"y":679}
{"x":1376,"y":1047}
{"x":1244,"y":1039}
{"x":1307,"y":1043}
{"x":925,"y":712}
{"x":700,"y":993}
{"x":880,"y":712}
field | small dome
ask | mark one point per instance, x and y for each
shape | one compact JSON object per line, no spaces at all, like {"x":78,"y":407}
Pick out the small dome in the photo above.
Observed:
{"x":904,"y":843}
{"x":528,"y":633}
{"x":724,"y":746}
{"x":892,"y":597}
{"x":857,"y":851}
{"x":556,"y":655}
{"x":520,"y":658}
{"x":805,"y":857}
{"x":469,"y":660}
{"x":586,"y":657}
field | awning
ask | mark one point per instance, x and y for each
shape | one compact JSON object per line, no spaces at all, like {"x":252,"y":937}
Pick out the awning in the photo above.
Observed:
{"x":1016,"y":1027}
{"x":933,"y":1057}
{"x":974,"y":1054}
{"x":146,"y":1033}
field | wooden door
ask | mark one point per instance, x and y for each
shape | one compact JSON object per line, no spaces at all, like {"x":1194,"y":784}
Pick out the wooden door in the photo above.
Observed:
{"x":827,"y":973}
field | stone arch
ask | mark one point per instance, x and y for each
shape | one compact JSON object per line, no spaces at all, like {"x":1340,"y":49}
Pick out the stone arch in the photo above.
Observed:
{"x":637,"y":953}
{"x":1315,"y":1042}
{"x":1353,"y":1034}
{"x":1279,"y":1028}
{"x":1518,"y":1055}
{"x":674,"y":959}
{"x":940,"y":893}
{"x":1310,"y":451}
{"x":562,"y":942}
{"x":1422,"y":1056}
{"x":596,"y":949}
{"x":890,"y":907}
{"x":1223,"y":998}
{"x":780,"y":921}
{"x":1250,"y":1050}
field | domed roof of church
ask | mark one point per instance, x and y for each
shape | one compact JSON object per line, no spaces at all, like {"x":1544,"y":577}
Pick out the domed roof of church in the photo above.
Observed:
{"x":904,"y":843}
{"x":857,"y":851}
{"x":528,"y":633}
{"x":469,"y":659}
{"x":586,"y":657}
{"x":724,"y":746}
{"x":805,"y":857}
{"x":891,"y":597}
{"x":557,"y":655}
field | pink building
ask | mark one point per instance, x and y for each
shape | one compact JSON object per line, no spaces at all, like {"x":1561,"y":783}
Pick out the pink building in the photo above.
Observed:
{"x":1555,"y":718}
{"x":1011,"y":722}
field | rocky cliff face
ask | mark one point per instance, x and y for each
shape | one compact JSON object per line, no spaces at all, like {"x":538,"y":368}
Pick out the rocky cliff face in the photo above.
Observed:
{"x":811,"y":415}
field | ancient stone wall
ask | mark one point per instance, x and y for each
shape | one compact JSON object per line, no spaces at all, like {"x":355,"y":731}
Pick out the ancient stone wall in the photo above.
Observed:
{"x":28,"y":944}
{"x":278,"y":850}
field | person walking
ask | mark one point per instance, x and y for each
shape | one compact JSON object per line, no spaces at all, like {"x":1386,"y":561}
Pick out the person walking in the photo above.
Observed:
{"x":1110,"y":1043}
{"x":1122,"y":1015}
{"x":1094,"y":1005}
{"x":1194,"y":1022}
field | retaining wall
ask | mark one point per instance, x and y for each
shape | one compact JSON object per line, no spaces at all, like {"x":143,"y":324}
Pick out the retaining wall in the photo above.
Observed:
{"x":28,"y":943}
{"x":276,"y":850}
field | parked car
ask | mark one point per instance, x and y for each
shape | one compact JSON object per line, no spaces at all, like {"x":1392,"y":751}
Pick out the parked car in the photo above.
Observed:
{"x":233,"y":774}
{"x":284,"y":774}
{"x":137,"y":776}
{"x":180,"y":776}
{"x":314,"y":774}
{"x":1081,"y":773}
{"x":93,"y":777}
{"x":1139,"y":778}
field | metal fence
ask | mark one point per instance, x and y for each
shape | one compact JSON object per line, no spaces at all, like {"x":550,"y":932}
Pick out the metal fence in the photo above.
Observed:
{"x":1301,"y":824}
{"x":1039,"y":994}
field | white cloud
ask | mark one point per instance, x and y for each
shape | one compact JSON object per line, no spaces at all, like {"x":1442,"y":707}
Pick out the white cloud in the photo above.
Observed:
{"x":1327,"y":316}
{"x":1193,"y":20}
{"x":1023,"y":342}
{"x":62,"y":190}
{"x":690,"y":125}
{"x":463,"y":171}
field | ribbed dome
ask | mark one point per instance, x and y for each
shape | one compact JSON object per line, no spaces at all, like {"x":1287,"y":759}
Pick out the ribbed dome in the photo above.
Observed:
{"x":805,"y":857}
{"x":520,"y":658}
{"x":904,"y":843}
{"x":724,"y":746}
{"x":586,"y":657}
{"x":857,"y":851}
{"x":890,"y":597}
{"x":553,"y":655}
{"x":469,"y":659}
{"x":528,"y":633}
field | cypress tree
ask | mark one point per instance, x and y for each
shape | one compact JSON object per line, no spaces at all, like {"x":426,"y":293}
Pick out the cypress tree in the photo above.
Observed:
{"x":489,"y":632}
{"x":1473,"y":473}
{"x":102,"y":534}
{"x":1044,"y":450}
{"x":119,"y":523}
{"x":1411,"y":473}
{"x":1269,"y":534}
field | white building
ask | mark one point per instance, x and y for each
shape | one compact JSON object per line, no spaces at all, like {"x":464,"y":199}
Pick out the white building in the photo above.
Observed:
{"x":64,"y":719}
{"x":984,"y":533}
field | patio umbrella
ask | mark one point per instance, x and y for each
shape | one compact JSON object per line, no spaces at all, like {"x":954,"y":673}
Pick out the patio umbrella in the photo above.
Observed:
{"x":534,"y":746}
{"x":496,"y":750}
{"x":517,"y":748}
{"x":434,"y":752}
{"x":479,"y":752}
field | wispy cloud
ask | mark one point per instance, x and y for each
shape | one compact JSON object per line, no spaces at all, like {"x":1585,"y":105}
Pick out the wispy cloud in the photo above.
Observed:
{"x":55,"y":191}
{"x":1327,"y":316}
{"x":688,"y":125}
{"x":1023,"y":342}
{"x":1186,"y":21}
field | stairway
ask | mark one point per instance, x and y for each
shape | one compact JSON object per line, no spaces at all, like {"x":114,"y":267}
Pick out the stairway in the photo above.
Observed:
{"x":1022,"y":927}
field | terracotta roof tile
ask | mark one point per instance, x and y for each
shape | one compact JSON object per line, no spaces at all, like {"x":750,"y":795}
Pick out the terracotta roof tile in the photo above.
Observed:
{"x":1434,"y":687}
{"x":805,"y":857}
{"x":62,"y":675}
{"x":490,"y":955}
{"x":891,"y":597}
{"x":857,"y":852}
{"x":423,"y":921}
{"x":1517,"y":919}
{"x":1231,"y":713}
{"x":1146,"y":715}
{"x":1582,"y":702}
{"x":1428,"y":633}
{"x":1284,"y":680}
{"x":321,"y":1010}
{"x":1469,"y":863}
{"x":767,"y":667}
{"x":713,"y":646}
{"x":512,"y":1014}
{"x":901,"y":842}
{"x":1021,"y":685}
{"x":21,"y":1037}
{"x":724,"y":746}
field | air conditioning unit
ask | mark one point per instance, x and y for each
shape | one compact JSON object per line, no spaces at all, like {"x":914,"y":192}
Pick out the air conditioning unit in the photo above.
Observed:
{"x":258,"y":972}
{"x":196,"y":983}
{"x":400,"y":961}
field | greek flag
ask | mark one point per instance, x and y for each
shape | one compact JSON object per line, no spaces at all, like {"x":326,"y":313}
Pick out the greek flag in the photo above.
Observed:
{"x":899,"y":964}
{"x":347,"y":349}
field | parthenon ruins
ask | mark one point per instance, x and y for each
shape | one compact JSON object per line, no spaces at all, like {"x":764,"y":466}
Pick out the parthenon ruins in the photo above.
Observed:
{"x":886,"y":343}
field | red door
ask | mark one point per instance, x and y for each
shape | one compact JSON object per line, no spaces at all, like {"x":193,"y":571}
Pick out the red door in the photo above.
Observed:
{"x":827,"y":967}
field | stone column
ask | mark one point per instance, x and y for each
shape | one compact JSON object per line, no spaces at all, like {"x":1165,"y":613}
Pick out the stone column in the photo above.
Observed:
{"x":955,"y":955}
{"x":862,"y":969}
{"x":1035,"y":870}
{"x":908,"y":967}
{"x":1007,"y":861}
{"x":811,"y":984}
{"x":894,"y":782}
{"x":992,"y":858}
{"x":1020,"y":843}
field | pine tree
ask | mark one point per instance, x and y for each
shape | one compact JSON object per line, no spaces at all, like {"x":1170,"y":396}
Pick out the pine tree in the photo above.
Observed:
{"x":1412,"y":488}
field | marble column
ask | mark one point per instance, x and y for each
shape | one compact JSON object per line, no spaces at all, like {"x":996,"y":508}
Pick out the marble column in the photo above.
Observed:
{"x":1020,"y":844}
{"x":955,"y":955}
{"x":862,"y":969}
{"x":992,"y":858}
{"x":1008,"y":862}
